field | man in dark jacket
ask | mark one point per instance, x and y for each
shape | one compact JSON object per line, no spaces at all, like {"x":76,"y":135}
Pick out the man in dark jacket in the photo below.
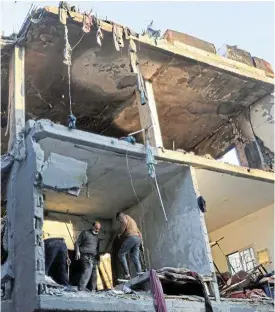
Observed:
{"x":87,"y":251}
{"x":56,"y":252}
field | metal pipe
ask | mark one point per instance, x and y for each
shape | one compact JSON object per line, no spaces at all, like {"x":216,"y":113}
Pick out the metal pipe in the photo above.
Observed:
{"x":142,"y":130}
{"x":160,"y":198}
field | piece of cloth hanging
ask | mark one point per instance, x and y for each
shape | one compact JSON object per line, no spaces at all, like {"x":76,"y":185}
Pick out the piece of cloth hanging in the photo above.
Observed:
{"x":64,"y":9}
{"x":63,"y":16}
{"x":68,"y":49}
{"x":150,"y":160}
{"x":157,"y":292}
{"x":87,"y":23}
{"x":99,"y":36}
{"x":118,"y":37}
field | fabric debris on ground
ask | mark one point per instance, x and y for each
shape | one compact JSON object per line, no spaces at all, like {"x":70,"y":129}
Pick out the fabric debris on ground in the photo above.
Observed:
{"x":248,"y":285}
{"x":249,"y":294}
{"x":182,"y":274}
{"x":157,"y":292}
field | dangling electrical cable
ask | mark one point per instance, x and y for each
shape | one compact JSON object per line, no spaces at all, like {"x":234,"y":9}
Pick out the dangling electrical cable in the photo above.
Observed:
{"x":68,"y":62}
{"x":150,"y":161}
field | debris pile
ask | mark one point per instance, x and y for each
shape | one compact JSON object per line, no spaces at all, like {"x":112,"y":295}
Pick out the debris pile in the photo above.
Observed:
{"x":257,"y":284}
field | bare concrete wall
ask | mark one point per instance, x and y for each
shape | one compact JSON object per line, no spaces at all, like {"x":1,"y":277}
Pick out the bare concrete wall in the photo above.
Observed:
{"x":180,"y":242}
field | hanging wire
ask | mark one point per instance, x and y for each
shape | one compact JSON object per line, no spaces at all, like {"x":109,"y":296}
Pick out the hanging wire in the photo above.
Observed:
{"x":131,"y":179}
{"x":78,"y":42}
{"x":156,"y":184}
{"x":68,"y":62}
{"x":154,"y":175}
{"x":69,"y":85}
{"x":160,"y":199}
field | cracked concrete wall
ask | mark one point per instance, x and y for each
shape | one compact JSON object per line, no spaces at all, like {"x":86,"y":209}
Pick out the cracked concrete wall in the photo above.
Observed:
{"x":180,"y":242}
{"x":247,"y":146}
{"x":25,"y":219}
{"x":262,"y":122}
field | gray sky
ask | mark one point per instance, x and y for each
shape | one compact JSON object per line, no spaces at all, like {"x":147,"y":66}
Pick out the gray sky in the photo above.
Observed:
{"x":249,"y":25}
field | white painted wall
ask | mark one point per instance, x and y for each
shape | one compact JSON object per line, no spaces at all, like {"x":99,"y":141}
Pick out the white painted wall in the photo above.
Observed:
{"x":256,"y":230}
{"x":262,"y":120}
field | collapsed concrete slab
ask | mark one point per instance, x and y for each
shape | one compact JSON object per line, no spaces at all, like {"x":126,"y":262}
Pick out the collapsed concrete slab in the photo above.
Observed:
{"x":64,"y":174}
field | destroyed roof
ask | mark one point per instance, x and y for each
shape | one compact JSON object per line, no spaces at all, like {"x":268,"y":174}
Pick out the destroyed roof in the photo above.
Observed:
{"x":196,"y":90}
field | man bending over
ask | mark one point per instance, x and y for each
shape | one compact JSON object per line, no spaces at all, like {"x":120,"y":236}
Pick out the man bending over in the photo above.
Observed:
{"x":131,"y":241}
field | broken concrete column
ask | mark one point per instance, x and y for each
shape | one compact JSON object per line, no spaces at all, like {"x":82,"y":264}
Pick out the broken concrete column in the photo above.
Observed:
{"x":25,"y":220}
{"x":16,"y":97}
{"x":247,"y":146}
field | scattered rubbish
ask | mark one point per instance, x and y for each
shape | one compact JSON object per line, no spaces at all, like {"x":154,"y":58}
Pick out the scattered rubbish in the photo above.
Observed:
{"x":249,"y":294}
{"x":125,"y":290}
{"x":180,"y":277}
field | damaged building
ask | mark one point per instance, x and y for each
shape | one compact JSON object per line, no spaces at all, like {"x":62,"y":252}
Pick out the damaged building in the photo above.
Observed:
{"x":96,"y":120}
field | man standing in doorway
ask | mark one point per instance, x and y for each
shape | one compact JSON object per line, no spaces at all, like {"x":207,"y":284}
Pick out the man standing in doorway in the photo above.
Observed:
{"x":131,"y":241}
{"x":87,"y":251}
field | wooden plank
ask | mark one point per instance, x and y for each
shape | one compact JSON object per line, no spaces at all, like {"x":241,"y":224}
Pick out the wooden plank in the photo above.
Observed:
{"x":105,"y":269}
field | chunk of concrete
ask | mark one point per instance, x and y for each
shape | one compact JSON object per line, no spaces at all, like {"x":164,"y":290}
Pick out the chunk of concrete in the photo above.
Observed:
{"x":6,"y":272}
{"x":64,"y":174}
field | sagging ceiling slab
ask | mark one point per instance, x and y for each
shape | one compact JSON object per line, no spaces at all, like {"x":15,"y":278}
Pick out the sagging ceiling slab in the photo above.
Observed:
{"x":109,"y":187}
{"x":229,"y":198}
{"x":194,"y":97}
